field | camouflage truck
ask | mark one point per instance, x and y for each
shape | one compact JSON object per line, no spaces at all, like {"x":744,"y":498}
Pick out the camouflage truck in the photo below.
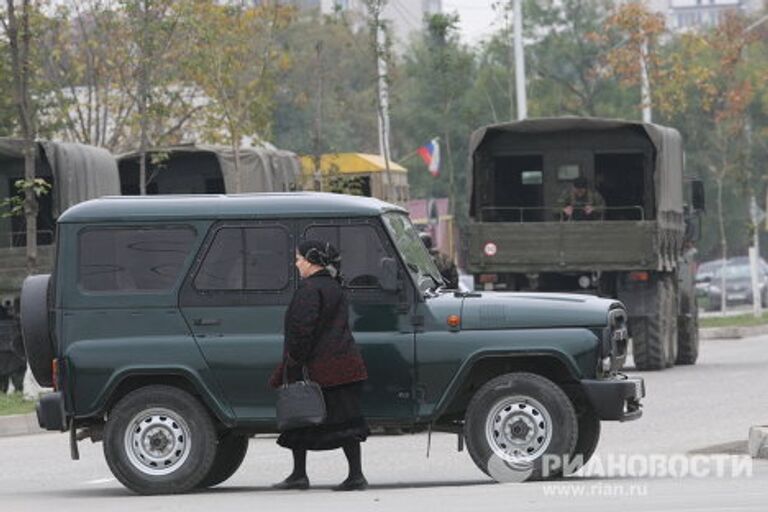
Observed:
{"x":76,"y":173}
{"x":210,"y":169}
{"x":638,"y":245}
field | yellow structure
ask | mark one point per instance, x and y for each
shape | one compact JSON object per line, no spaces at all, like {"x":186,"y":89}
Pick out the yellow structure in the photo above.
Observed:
{"x":357,"y":173}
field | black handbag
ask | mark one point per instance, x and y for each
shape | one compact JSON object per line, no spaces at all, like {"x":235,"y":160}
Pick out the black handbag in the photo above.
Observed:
{"x":299,"y":404}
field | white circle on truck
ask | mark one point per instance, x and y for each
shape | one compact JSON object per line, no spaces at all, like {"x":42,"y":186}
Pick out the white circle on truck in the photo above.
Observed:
{"x":490,"y":249}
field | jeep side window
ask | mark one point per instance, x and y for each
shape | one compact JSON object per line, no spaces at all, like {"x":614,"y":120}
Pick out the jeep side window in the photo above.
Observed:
{"x":137,"y":259}
{"x":362,"y":252}
{"x":246,"y":259}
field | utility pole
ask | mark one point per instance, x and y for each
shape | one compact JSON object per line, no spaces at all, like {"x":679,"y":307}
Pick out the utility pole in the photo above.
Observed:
{"x":522,"y":102}
{"x":757,"y":216}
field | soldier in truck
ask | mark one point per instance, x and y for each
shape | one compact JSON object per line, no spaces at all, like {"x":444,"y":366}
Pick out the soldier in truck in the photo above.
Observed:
{"x":579,"y":202}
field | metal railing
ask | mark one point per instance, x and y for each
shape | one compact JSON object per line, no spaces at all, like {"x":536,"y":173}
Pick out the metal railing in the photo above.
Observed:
{"x":19,"y":238}
{"x":526,"y":214}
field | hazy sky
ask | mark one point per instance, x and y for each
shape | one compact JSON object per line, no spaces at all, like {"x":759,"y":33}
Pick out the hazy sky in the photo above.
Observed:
{"x":477,"y":17}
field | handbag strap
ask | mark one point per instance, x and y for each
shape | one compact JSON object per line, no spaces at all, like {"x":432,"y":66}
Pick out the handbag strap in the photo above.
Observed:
{"x":304,"y":372}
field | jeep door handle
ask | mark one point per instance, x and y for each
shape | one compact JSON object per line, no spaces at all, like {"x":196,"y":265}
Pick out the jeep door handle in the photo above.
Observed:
{"x":206,"y":321}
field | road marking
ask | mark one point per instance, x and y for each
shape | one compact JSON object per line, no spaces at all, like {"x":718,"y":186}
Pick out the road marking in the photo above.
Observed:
{"x":100,"y":481}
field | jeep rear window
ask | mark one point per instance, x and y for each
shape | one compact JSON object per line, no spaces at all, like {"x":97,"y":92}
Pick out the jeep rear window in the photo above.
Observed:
{"x":136,"y":259}
{"x":246,"y":259}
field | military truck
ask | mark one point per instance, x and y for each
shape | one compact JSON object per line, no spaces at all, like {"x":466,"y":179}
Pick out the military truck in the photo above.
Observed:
{"x":636,"y":247}
{"x":210,"y":169}
{"x":76,"y":172}
{"x":163,"y":318}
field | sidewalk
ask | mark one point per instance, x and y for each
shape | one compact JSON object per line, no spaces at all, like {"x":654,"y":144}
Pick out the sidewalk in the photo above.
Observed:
{"x":19,"y":425}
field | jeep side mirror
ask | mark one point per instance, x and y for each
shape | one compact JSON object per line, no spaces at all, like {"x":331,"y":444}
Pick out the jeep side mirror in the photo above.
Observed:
{"x":389,"y":275}
{"x":697,"y":192}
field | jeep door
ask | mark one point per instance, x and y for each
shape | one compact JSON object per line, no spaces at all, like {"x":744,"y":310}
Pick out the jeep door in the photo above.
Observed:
{"x":380,"y":319}
{"x":234,"y":300}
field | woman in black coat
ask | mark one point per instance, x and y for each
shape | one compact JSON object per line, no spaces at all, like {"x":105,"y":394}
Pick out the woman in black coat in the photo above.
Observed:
{"x":318,"y":336}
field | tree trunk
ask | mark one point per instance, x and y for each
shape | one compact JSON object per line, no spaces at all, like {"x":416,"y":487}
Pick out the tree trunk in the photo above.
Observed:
{"x":238,"y":177}
{"x":143,"y":97}
{"x":19,"y":37}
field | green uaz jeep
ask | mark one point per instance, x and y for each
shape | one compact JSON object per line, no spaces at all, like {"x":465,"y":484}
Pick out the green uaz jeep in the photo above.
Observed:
{"x":162,"y":321}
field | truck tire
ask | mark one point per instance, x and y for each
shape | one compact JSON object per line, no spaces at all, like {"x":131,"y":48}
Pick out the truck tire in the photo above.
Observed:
{"x":650,"y":334}
{"x":159,"y":440}
{"x":514,"y":421}
{"x":671,"y":319}
{"x":230,"y":453}
{"x":688,"y":334}
{"x":38,"y":344}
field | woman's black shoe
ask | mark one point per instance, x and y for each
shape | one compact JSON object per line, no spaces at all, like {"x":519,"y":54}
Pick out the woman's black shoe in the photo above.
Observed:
{"x":358,"y":483}
{"x":300,"y":483}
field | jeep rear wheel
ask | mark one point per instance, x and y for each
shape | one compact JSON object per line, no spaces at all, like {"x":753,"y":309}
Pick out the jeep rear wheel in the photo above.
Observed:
{"x":230,"y":453}
{"x":159,"y":440}
{"x":514,"y":421}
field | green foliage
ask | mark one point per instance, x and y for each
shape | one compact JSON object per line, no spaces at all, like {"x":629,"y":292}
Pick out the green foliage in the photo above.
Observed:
{"x":14,"y":205}
{"x":433,"y":97}
{"x":7,"y":108}
{"x":326,"y":102}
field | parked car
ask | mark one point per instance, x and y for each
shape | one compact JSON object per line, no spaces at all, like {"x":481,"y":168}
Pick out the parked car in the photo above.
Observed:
{"x":738,"y":284}
{"x":162,"y":322}
{"x":704,"y":276}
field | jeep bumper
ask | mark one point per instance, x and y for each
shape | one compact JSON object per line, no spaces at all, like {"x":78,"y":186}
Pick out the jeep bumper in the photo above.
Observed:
{"x":50,"y":412}
{"x":615,"y":399}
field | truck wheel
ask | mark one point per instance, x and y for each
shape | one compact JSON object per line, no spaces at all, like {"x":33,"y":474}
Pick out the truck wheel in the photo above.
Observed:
{"x":688,"y":337}
{"x":671,"y":319}
{"x":159,"y":440}
{"x":586,"y":443}
{"x":38,"y":344}
{"x":650,"y":334}
{"x":230,"y":453}
{"x":514,"y":421}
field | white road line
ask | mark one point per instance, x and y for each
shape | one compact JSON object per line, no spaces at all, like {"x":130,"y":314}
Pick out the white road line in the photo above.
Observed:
{"x":100,"y":481}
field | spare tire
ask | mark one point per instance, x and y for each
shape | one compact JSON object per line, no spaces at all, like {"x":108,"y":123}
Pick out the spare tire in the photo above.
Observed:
{"x":35,"y":328}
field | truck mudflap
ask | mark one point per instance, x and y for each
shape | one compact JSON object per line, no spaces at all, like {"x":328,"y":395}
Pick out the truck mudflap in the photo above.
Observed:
{"x":50,"y":412}
{"x":617,"y":398}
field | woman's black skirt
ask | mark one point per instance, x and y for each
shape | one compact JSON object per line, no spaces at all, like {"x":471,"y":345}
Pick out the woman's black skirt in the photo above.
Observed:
{"x":344,"y":422}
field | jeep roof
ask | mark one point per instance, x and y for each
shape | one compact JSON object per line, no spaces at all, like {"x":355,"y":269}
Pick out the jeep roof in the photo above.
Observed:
{"x":180,"y":207}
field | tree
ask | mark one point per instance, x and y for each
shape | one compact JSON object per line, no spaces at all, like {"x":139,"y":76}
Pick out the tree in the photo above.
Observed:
{"x":434,"y":96}
{"x":235,"y":63}
{"x":7,"y":107}
{"x":325,"y":103}
{"x":18,"y":27}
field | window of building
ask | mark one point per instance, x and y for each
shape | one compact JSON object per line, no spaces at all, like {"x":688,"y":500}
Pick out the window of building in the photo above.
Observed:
{"x":568,"y":172}
{"x":246,"y":259}
{"x":142,"y":259}
{"x":362,"y":252}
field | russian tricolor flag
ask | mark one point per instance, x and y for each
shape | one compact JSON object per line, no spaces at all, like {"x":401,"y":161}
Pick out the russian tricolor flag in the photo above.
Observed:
{"x":430,"y":153}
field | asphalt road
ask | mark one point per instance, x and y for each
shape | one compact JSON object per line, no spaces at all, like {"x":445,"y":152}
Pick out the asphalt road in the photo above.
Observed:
{"x":705,"y":409}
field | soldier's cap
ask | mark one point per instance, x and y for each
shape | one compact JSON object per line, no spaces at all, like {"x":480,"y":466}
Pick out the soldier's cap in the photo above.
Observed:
{"x":580,"y":182}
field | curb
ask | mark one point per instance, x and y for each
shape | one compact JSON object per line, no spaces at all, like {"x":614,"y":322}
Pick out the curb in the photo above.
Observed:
{"x":711,"y":333}
{"x":19,"y":425}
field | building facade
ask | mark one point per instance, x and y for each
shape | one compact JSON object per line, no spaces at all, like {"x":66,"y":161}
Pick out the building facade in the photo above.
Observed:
{"x":691,"y":14}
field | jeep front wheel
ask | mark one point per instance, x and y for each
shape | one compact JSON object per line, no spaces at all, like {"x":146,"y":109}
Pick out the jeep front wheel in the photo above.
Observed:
{"x":515,"y":422}
{"x":159,"y":440}
{"x":230,"y":453}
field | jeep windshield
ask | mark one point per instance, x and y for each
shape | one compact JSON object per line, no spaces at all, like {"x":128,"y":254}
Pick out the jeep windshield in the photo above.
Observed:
{"x":414,"y":253}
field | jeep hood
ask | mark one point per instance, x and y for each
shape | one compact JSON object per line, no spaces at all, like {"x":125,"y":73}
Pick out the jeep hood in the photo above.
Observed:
{"x":509,"y":310}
